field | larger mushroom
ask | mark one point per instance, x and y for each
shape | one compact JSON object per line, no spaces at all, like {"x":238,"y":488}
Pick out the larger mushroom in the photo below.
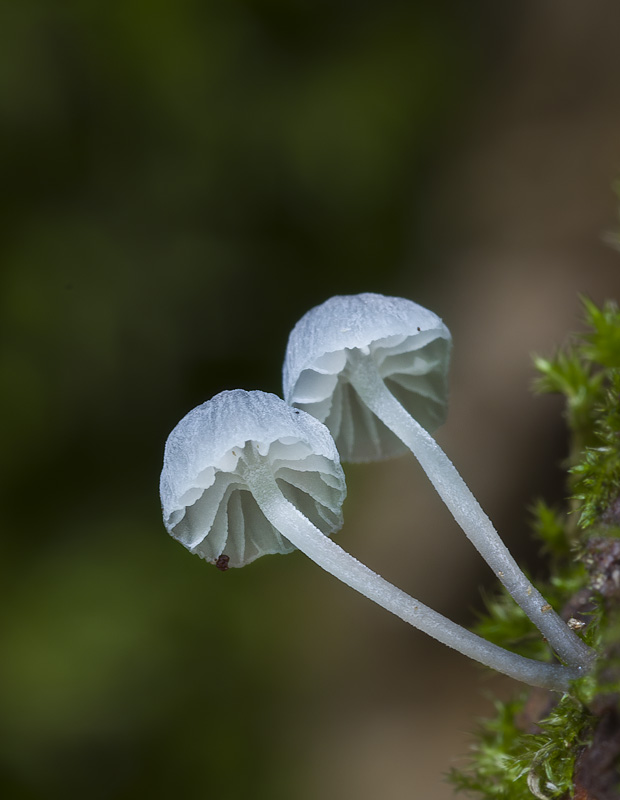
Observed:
{"x":245,"y":474}
{"x":374,"y":370}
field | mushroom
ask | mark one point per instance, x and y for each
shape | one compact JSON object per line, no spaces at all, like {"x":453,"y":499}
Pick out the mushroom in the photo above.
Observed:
{"x":246,"y":474}
{"x":374,"y":370}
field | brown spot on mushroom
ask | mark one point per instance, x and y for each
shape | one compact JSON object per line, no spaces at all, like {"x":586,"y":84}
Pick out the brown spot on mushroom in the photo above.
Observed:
{"x":222,"y":562}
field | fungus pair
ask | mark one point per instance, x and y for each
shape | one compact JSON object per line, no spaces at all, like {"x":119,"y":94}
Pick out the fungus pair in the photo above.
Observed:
{"x":247,"y":474}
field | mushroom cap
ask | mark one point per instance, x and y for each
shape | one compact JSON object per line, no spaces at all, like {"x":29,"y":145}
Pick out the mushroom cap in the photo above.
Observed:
{"x":410,"y":347}
{"x":206,"y":502}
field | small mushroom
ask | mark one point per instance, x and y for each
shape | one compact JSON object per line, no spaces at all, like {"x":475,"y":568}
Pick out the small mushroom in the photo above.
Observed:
{"x":406,"y":345}
{"x":246,"y":473}
{"x":374,"y":370}
{"x":227,"y":455}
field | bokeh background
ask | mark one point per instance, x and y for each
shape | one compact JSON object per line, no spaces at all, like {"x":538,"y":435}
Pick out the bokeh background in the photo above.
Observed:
{"x":180,"y":183}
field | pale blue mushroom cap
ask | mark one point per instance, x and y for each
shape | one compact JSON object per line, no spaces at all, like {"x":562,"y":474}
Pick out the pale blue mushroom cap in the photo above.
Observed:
{"x":206,"y":502}
{"x":410,"y":347}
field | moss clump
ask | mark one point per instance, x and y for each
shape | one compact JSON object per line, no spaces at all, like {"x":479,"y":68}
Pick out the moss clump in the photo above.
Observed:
{"x":509,"y":762}
{"x":537,"y":745}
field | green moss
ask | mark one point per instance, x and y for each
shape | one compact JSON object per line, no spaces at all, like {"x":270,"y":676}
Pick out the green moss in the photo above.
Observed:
{"x":515,"y":765}
{"x":549,"y":526}
{"x":515,"y":755}
{"x":597,"y":475}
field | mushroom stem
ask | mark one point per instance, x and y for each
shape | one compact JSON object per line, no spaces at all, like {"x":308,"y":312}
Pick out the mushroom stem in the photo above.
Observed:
{"x":466,"y":510}
{"x":298,"y":529}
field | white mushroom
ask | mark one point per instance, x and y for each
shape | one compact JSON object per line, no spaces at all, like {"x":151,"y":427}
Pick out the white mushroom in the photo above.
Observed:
{"x":245,"y":474}
{"x":226,"y":455}
{"x":374,"y":370}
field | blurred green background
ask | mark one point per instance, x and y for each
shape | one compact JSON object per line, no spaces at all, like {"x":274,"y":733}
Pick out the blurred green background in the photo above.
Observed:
{"x":180,"y":183}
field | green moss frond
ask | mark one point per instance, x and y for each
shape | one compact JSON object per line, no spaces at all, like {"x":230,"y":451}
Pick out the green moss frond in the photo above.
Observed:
{"x":582,"y":371}
{"x":597,"y":475}
{"x":549,"y":527}
{"x":492,"y":753}
{"x":601,"y":346}
{"x":569,"y":374}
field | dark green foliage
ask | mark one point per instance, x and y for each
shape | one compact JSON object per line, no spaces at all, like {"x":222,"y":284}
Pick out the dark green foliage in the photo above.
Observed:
{"x":517,"y":755}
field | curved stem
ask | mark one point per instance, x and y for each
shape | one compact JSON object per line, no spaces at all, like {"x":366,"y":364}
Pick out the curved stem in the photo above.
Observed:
{"x":298,"y":529}
{"x":466,"y":511}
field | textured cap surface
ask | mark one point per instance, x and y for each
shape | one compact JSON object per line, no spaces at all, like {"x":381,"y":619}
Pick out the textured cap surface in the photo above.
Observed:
{"x":410,"y":347}
{"x":206,"y":503}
